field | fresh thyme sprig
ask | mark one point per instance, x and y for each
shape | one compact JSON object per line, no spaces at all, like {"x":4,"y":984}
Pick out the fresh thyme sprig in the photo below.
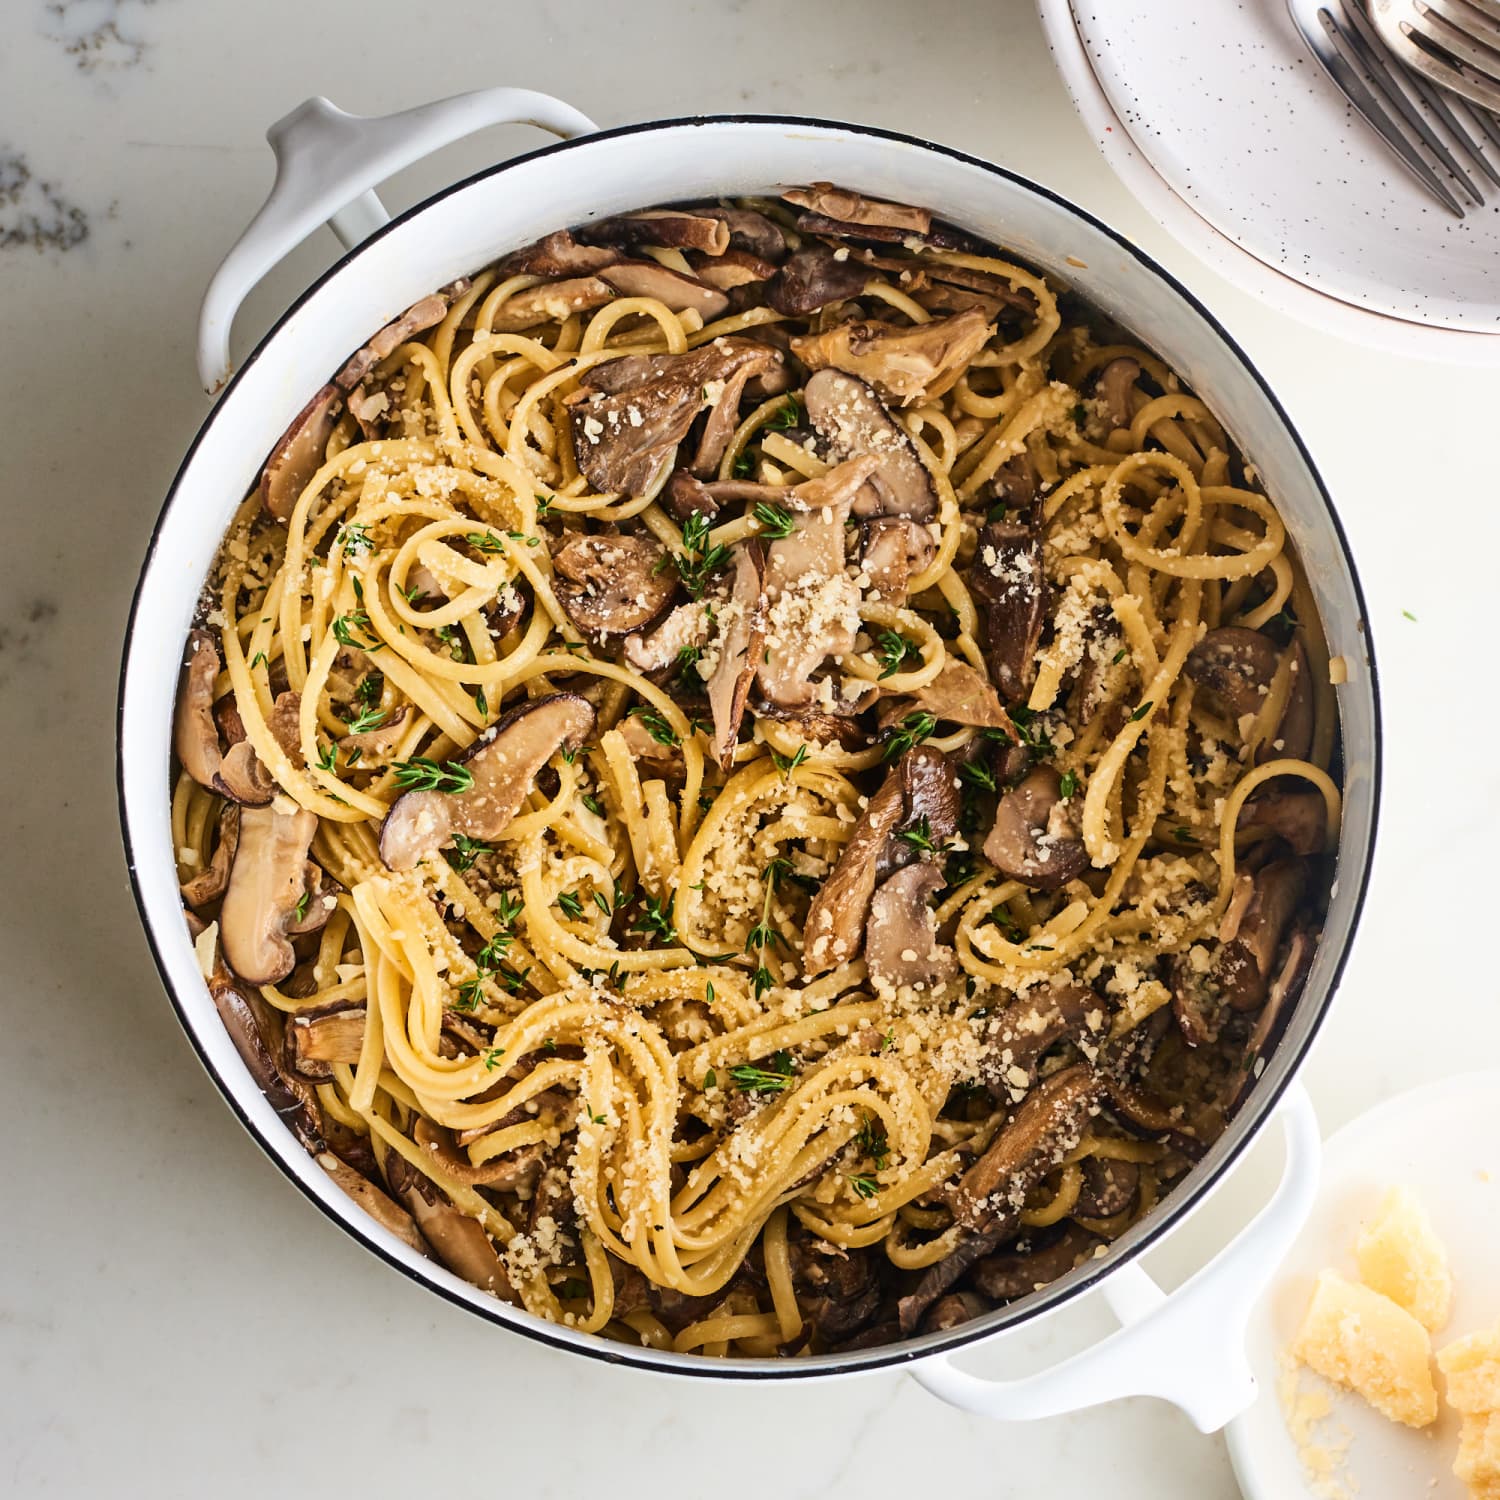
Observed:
{"x":698,"y":561}
{"x":894,"y":651}
{"x":775,"y":522}
{"x":419,"y":774}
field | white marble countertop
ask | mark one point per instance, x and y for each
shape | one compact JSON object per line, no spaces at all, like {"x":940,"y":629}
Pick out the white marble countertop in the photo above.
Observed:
{"x":174,"y":1319}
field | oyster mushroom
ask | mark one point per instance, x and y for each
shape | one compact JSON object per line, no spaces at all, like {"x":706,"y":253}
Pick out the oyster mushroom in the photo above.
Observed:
{"x":957,"y":695}
{"x":318,"y":1037}
{"x":813,"y":277}
{"x":503,"y":763}
{"x":645,"y":278}
{"x":629,"y":414}
{"x":377,"y":1204}
{"x":1047,"y":1124}
{"x":552,"y":301}
{"x":901,"y":943}
{"x":1114,"y":384}
{"x":741,"y":645}
{"x":671,"y":228}
{"x":375,"y":746}
{"x":908,"y":365}
{"x":209,"y":884}
{"x":1008,"y":580}
{"x":893,"y":551}
{"x":558,"y":254}
{"x":686,"y":628}
{"x":509,"y":1172}
{"x":417,"y":318}
{"x":299,"y":452}
{"x":612,"y":585}
{"x":1034,"y":839}
{"x":458,"y":1241}
{"x":833,"y":208}
{"x":852,"y":422}
{"x":274,"y":892}
{"x":1235,"y":667}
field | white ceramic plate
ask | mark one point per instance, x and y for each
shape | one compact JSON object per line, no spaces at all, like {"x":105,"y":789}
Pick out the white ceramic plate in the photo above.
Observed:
{"x":1441,"y":1140}
{"x":1260,"y":279}
{"x":1242,"y":122}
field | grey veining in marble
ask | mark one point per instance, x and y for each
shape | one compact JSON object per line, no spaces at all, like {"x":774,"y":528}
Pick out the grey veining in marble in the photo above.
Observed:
{"x":174,"y":1320}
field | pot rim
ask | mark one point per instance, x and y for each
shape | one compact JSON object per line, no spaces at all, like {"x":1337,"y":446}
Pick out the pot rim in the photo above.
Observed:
{"x":1164,"y":1216}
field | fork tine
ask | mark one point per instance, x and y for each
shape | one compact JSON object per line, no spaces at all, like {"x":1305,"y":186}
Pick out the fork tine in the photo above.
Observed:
{"x":1371,"y":52}
{"x":1434,"y":100}
{"x":1416,"y":49}
{"x":1340,"y":62}
{"x":1477,"y":22}
{"x":1462,"y":44}
{"x":1483,"y":118}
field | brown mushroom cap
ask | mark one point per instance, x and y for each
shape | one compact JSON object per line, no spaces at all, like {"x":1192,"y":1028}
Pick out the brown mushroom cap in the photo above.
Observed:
{"x":1236,"y":667}
{"x":507,"y":1173}
{"x":893,"y":551}
{"x":611,"y":585}
{"x":1018,"y":1273}
{"x":908,"y":365}
{"x":503,"y":761}
{"x":209,"y":884}
{"x":1109,"y":1187}
{"x":458,"y":1241}
{"x":1009,"y":582}
{"x":813,"y":277}
{"x":732,"y":269}
{"x":558,"y":254}
{"x":1022,"y":1033}
{"x":671,"y":228}
{"x":852,"y":421}
{"x":1301,"y":818}
{"x":417,"y":318}
{"x":235,"y":773}
{"x":267,"y":884}
{"x":901,"y":945}
{"x":299,"y":452}
{"x":749,"y":230}
{"x":1049,"y":1122}
{"x":741,"y":647}
{"x":1034,"y":840}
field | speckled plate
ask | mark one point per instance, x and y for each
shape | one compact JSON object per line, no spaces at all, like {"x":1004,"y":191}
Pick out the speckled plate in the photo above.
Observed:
{"x":1227,"y":105}
{"x":1440,"y":1140}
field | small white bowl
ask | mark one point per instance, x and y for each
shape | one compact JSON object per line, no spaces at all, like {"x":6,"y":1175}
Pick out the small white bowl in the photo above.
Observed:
{"x":1237,"y":265}
{"x":1441,"y":1141}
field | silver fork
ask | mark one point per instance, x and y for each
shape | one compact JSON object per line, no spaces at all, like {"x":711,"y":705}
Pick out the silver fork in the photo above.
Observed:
{"x":1455,"y":43}
{"x":1401,"y":105}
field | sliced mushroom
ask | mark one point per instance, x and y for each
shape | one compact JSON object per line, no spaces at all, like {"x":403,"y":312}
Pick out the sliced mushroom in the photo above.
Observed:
{"x":835,"y":925}
{"x":377,"y":1204}
{"x":893,"y":551}
{"x":552,"y":301}
{"x":1027,"y":1029}
{"x":417,"y":318}
{"x":503,"y":763}
{"x":741,"y":646}
{"x":724,"y":397}
{"x":209,"y":884}
{"x":235,"y":773}
{"x":749,"y":230}
{"x":932,"y":793}
{"x":957,"y":695}
{"x":1109,"y":1187}
{"x":901,"y":943}
{"x":558,"y":254}
{"x":937,"y":1279}
{"x":612,"y":585}
{"x":511,"y":1171}
{"x":649,"y":754}
{"x":812,"y":605}
{"x":299,"y":453}
{"x":458,"y":1241}
{"x":1115,"y":382}
{"x":255,"y":1031}
{"x":268,"y":884}
{"x":1301,"y":818}
{"x":734,"y":268}
{"x":1035,"y":839}
{"x":671,"y":228}
{"x":1018,"y":1273}
{"x":953,"y":1311}
{"x":819,"y":727}
{"x":838,"y":1292}
{"x":1236,"y":667}
{"x":686,"y":496}
{"x":851,"y":420}
{"x":814,"y":277}
{"x":1269,"y":1024}
{"x":630,"y":413}
{"x":878,"y":219}
{"x":1009,"y":581}
{"x":645,"y":278}
{"x":908,"y":365}
{"x":325,"y":1034}
{"x":374,"y":746}
{"x":1048,"y":1123}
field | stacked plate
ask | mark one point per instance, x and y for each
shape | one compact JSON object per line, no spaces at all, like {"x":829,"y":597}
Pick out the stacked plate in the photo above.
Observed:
{"x":1224,"y":125}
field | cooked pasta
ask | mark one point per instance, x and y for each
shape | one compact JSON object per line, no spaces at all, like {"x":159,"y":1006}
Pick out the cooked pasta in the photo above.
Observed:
{"x":753,"y":779}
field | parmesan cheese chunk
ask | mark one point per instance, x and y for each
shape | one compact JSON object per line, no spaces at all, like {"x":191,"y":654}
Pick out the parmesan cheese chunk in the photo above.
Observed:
{"x":1360,"y":1339}
{"x":1401,"y":1257}
{"x":1472,"y":1368}
{"x":1478,"y":1461}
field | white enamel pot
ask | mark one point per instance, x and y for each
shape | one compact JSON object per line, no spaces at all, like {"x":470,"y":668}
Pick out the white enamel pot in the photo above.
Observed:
{"x":1186,"y":1347}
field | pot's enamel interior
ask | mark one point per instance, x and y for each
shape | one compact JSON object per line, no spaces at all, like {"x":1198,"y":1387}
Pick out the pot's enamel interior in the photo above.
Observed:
{"x":470,"y":225}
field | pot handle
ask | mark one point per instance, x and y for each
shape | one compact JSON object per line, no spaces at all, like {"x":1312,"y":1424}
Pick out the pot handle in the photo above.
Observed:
{"x":327,"y":165}
{"x":1187,"y":1348}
